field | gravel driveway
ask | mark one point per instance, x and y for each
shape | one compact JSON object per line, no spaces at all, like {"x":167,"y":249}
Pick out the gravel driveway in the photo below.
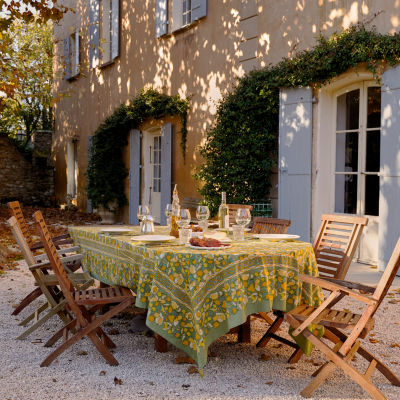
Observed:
{"x":234,"y":371}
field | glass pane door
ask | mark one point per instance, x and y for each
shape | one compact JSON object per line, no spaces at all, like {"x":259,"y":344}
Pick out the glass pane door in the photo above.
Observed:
{"x":358,"y":151}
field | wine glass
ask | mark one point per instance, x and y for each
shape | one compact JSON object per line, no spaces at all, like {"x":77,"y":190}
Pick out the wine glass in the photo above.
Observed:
{"x":183,"y":218}
{"x":202,"y":214}
{"x":142,"y":210}
{"x":168,"y":213}
{"x":243,"y":217}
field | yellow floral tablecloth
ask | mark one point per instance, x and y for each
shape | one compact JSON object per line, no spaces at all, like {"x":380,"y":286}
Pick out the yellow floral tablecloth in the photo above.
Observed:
{"x":195,"y":296}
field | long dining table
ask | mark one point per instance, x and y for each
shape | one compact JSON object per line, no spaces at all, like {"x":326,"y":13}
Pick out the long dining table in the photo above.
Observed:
{"x":194,"y":296}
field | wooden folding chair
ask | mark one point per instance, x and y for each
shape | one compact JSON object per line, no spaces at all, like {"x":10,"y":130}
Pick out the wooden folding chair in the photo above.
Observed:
{"x":83,"y":305}
{"x":47,"y":283}
{"x":336,"y":321}
{"x":270,"y":225}
{"x":61,"y":240}
{"x":233,"y":210}
{"x":334,"y":248}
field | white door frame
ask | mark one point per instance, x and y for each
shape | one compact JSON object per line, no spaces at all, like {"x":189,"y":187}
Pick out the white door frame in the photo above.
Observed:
{"x":365,"y":252}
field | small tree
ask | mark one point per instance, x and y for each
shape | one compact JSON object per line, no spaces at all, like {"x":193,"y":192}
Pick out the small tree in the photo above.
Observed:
{"x":29,"y":60}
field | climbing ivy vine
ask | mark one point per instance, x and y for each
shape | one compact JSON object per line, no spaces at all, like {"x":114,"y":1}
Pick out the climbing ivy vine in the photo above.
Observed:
{"x":241,"y":148}
{"x":106,"y":170}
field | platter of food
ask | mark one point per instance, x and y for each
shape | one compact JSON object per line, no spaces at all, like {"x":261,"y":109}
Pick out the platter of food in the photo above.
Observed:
{"x":207,"y":244}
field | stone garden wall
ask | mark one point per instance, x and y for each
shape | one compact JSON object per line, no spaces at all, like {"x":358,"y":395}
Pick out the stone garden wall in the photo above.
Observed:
{"x":30,"y":181}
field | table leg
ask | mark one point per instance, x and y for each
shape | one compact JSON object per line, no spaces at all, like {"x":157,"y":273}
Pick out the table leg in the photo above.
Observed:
{"x":160,"y":344}
{"x":244,"y":334}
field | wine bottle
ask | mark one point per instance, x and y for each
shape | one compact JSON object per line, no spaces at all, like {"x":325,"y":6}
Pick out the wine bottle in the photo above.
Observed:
{"x":223,"y":213}
{"x":175,"y":213}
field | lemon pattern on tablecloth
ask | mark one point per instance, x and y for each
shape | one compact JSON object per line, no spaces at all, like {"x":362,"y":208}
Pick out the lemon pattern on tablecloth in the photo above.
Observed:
{"x":195,"y":296}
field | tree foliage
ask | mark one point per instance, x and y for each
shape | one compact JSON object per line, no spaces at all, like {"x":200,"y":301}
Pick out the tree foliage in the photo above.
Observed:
{"x":29,"y":61}
{"x":106,"y":169}
{"x":25,"y":11}
{"x":241,"y":148}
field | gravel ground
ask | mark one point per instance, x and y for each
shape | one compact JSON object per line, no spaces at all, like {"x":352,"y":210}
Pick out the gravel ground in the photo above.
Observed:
{"x":234,"y":371}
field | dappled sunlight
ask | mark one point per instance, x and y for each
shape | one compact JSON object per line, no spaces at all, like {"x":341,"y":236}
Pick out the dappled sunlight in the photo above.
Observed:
{"x":200,"y":63}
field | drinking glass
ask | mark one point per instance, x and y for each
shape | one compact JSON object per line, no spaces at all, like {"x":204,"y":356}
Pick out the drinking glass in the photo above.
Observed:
{"x":243,"y":216}
{"x":184,"y":235}
{"x":202,"y":214}
{"x":183,"y":218}
{"x":168,"y":213}
{"x":142,"y":211}
{"x":238,"y":233}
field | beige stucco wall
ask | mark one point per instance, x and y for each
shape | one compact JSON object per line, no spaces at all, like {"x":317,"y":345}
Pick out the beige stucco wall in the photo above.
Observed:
{"x":200,"y":63}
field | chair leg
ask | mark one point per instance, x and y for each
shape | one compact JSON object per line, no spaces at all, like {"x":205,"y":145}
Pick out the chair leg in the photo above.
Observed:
{"x":336,"y":361}
{"x":41,"y":321}
{"x":27,"y":300}
{"x":59,"y":334}
{"x":295,"y":357}
{"x":35,"y":314}
{"x":90,"y":331}
{"x":380,"y":366}
{"x":271,"y":330}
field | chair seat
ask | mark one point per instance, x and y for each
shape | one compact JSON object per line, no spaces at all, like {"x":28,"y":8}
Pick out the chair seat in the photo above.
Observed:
{"x":77,"y":278}
{"x":112,"y":294}
{"x":331,"y":318}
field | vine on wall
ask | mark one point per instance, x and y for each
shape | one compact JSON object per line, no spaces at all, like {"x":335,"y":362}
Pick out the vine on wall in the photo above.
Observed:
{"x":106,"y":170}
{"x":241,"y":148}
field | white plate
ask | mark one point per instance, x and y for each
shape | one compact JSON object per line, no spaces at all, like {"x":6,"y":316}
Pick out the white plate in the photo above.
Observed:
{"x":231,"y":229}
{"x":116,"y":230}
{"x":209,"y":248}
{"x":275,"y":236}
{"x":153,"y":238}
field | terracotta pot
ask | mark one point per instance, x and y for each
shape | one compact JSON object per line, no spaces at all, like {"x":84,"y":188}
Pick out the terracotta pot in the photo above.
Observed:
{"x":107,"y":217}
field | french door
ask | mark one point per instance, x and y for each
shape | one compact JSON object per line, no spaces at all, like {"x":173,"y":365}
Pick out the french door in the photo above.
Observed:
{"x":356,"y":176}
{"x":151,"y":189}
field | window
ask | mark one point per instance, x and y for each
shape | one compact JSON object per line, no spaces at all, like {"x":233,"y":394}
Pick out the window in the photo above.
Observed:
{"x":186,"y":12}
{"x":71,"y":55}
{"x":156,"y":164}
{"x":358,"y":131}
{"x":183,"y":13}
{"x":103,"y":32}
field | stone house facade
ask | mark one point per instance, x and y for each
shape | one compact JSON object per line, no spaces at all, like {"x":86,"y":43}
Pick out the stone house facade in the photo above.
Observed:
{"x":108,"y":50}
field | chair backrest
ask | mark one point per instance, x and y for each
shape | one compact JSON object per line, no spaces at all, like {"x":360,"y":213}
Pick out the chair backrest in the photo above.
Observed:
{"x":336,"y":243}
{"x":270,"y":225}
{"x":16,"y":211}
{"x":58,"y":268}
{"x":21,"y":241}
{"x":388,"y":276}
{"x":233,"y":210}
{"x":52,"y":254}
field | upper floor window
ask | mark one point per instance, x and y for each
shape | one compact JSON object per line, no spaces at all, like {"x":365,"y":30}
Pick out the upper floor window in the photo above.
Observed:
{"x":186,"y":12}
{"x":71,"y":55}
{"x":103,"y":31}
{"x":182,"y":14}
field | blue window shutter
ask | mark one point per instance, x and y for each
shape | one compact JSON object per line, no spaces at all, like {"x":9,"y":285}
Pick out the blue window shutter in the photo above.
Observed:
{"x":295,"y":158}
{"x":94,"y":33}
{"x":67,"y":58}
{"x":177,"y":10}
{"x":166,"y":164}
{"x":199,"y":9}
{"x":89,"y":206}
{"x":77,"y":47}
{"x":134,"y":175}
{"x":115,"y":27}
{"x":161,"y":17}
{"x":389,"y":217}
